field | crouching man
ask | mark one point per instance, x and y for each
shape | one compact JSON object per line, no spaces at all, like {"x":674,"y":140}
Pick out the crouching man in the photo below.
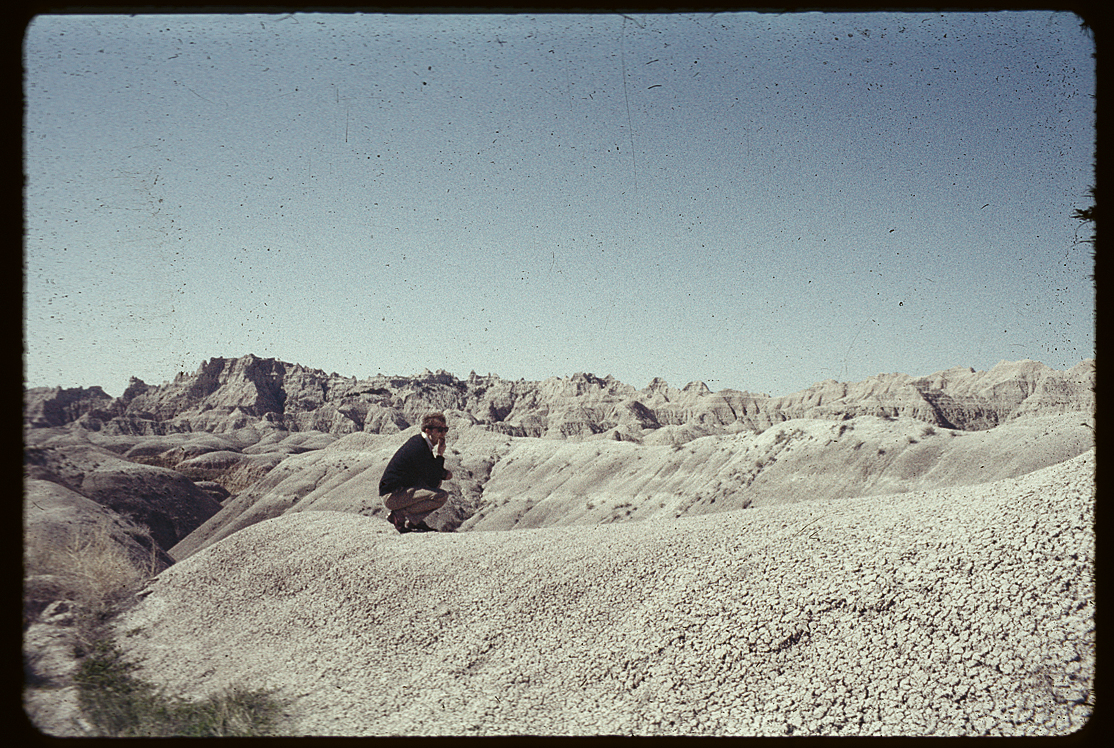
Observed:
{"x":410,"y":486}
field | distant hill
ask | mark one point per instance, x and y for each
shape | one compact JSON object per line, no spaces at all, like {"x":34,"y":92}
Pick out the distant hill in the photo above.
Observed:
{"x":224,"y":395}
{"x":259,"y":437}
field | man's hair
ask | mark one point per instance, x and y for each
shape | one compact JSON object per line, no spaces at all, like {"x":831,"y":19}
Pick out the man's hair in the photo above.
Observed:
{"x":433,"y":418}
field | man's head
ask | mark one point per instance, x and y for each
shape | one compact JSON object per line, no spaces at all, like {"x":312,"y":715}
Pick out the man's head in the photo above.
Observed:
{"x":433,"y":423}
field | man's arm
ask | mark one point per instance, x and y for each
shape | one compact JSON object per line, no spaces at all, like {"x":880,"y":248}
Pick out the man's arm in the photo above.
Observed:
{"x":439,"y":453}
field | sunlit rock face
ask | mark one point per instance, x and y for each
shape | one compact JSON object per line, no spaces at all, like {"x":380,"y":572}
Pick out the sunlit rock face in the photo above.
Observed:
{"x":228,"y":394}
{"x":274,"y":437}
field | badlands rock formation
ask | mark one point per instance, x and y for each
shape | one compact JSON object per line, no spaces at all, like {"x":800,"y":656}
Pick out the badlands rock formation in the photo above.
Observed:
{"x":157,"y":498}
{"x":957,"y":611}
{"x":52,"y":513}
{"x":503,"y":482}
{"x":225,"y":395}
{"x":229,"y":425}
{"x":583,"y":465}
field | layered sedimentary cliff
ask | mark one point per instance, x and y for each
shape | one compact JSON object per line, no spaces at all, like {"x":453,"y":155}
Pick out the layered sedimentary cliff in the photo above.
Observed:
{"x":228,"y":394}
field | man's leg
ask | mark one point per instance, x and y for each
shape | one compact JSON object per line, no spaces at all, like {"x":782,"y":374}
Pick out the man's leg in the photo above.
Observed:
{"x":416,"y":503}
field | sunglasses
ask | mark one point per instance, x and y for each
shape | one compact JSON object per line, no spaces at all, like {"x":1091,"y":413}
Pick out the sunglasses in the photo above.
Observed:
{"x":442,"y":429}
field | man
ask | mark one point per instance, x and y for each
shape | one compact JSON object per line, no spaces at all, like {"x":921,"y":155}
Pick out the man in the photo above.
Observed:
{"x":411,"y":483}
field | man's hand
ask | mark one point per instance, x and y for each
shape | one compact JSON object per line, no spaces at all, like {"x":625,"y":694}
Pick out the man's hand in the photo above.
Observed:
{"x":441,"y":453}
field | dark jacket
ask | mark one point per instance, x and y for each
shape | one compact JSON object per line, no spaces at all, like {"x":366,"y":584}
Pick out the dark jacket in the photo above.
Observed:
{"x":413,"y":466}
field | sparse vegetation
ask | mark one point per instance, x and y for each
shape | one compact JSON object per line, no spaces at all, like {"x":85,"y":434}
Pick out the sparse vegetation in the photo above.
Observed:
{"x":91,"y":570}
{"x":86,"y":566}
{"x":121,"y":705}
{"x":619,"y":508}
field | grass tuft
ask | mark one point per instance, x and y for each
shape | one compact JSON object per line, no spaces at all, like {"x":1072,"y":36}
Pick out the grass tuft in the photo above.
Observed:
{"x":89,"y":568}
{"x":86,"y":566}
{"x":119,"y":704}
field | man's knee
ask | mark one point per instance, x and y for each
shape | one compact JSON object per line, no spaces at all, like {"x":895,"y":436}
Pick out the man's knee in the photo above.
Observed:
{"x":429,"y":501}
{"x":406,"y":497}
{"x":398,"y":499}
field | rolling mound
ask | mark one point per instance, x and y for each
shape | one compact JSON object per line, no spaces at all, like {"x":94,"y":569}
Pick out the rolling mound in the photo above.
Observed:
{"x":503,"y":482}
{"x":246,"y":439}
{"x":955,"y":611}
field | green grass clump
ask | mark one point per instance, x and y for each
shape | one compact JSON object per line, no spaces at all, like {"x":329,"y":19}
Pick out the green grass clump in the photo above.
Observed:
{"x":118,"y":704}
{"x":89,"y":568}
{"x":85,"y":565}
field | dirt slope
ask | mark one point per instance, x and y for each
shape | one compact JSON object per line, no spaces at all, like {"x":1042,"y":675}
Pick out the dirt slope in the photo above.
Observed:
{"x":963,"y":610}
{"x":504,"y":482}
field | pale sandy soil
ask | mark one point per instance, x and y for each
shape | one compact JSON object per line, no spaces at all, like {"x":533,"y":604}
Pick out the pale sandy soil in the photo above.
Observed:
{"x":966,"y":610}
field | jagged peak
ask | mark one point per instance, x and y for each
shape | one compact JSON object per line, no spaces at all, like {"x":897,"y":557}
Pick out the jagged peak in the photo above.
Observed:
{"x":254,"y":386}
{"x":221,"y":361}
{"x":136,"y":387}
{"x":1026,"y":365}
{"x":439,"y":377}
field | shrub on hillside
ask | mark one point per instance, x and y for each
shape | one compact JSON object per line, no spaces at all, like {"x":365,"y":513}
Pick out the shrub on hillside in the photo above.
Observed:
{"x":121,"y":705}
{"x":85,"y":565}
{"x":90,"y":569}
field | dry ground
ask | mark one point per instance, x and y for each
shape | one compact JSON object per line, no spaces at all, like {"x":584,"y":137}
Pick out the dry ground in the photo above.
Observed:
{"x":956,"y":611}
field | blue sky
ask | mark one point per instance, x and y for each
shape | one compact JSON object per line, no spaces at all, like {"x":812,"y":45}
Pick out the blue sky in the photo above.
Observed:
{"x":754,"y":201}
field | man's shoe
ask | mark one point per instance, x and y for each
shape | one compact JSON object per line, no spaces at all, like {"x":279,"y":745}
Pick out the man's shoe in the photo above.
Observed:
{"x":398,"y":519}
{"x":419,"y":527}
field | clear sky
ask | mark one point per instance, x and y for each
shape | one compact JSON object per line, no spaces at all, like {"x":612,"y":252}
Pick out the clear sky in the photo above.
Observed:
{"x":753,"y":201}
